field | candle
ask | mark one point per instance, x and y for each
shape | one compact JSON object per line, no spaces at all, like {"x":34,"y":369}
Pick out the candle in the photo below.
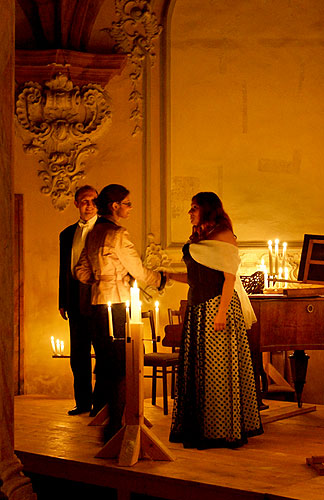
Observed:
{"x":62,"y":346}
{"x":58,"y":347}
{"x":135,"y":304}
{"x":276,"y":256}
{"x":263,"y":268}
{"x":53,"y":345}
{"x":270,"y":258}
{"x":157,"y":318}
{"x":128,"y":330}
{"x":284,"y":251}
{"x":110,"y":321}
{"x":286,"y":276}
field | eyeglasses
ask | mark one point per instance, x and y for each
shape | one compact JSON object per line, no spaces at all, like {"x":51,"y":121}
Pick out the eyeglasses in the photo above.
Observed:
{"x":127,"y":203}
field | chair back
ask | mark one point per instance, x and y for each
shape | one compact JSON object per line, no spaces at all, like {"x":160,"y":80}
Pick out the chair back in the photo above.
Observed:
{"x":174,"y":316}
{"x":149,"y":314}
{"x":172,"y":337}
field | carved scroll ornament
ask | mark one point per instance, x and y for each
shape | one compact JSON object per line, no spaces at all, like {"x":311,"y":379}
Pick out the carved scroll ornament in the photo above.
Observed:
{"x":134,"y":33}
{"x":60,"y":120}
{"x":156,"y":259}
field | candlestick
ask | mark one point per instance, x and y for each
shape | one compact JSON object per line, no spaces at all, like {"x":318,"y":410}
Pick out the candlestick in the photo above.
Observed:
{"x":265,"y":280}
{"x":270,"y":257}
{"x":128,"y":330}
{"x":276,"y":257}
{"x":136,"y":315}
{"x":110,"y":321}
{"x":157,"y":318}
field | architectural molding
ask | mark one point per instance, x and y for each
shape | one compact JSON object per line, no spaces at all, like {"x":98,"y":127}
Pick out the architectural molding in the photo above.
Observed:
{"x":61,"y":120}
{"x":134,"y":33}
{"x":80,"y":67}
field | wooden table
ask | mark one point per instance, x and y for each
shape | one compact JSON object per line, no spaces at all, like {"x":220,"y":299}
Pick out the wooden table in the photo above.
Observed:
{"x":287,"y":324}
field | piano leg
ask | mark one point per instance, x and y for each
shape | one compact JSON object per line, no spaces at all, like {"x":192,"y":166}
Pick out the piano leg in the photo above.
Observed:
{"x":298,"y":363}
{"x":259,"y":374}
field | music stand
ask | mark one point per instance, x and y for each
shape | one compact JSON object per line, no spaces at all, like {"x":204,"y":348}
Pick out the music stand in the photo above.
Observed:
{"x":311,"y":268}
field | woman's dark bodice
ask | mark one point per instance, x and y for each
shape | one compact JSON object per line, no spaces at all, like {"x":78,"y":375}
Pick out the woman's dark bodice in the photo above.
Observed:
{"x":204,"y":282}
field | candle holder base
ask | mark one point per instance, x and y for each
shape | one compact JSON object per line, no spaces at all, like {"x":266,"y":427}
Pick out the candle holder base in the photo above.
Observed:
{"x":103,"y":416}
{"x":133,"y":442}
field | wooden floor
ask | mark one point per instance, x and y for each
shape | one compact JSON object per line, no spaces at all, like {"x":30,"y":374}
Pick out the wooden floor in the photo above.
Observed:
{"x":270,"y":467}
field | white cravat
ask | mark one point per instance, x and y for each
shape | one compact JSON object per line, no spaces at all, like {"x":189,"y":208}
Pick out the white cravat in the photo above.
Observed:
{"x":83,"y":228}
{"x":224,"y":256}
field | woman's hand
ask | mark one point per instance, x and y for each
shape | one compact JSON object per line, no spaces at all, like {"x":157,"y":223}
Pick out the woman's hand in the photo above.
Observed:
{"x":220,"y":321}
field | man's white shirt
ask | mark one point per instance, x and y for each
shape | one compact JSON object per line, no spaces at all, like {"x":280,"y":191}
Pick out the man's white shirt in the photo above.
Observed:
{"x":81,"y":232}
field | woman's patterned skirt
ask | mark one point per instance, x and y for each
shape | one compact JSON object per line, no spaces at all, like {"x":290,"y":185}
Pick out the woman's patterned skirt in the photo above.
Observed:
{"x":215,"y":403}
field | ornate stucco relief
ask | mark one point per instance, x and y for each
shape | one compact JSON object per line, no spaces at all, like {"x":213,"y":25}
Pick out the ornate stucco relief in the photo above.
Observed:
{"x":134,"y":33}
{"x":60,"y":121}
{"x":156,"y":259}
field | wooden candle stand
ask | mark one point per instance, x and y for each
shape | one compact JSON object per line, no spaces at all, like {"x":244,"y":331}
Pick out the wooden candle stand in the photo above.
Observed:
{"x":134,"y":440}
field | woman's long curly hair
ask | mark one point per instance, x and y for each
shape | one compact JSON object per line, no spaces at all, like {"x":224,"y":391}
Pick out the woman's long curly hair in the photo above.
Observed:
{"x":212,"y":216}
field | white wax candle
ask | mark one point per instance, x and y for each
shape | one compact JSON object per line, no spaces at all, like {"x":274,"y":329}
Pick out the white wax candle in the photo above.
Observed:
{"x":270,"y":258}
{"x":157,"y":318}
{"x":110,"y":321}
{"x":276,"y":257}
{"x":58,"y":347}
{"x":135,"y":304}
{"x":286,"y":276}
{"x":53,"y":345}
{"x":128,"y":331}
{"x":62,"y":346}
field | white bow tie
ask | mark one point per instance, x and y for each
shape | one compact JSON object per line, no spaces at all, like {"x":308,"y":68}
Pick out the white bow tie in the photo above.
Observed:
{"x":83,"y":224}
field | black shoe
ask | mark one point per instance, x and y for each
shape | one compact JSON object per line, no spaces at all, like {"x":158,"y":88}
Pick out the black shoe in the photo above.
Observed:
{"x":77,"y":410}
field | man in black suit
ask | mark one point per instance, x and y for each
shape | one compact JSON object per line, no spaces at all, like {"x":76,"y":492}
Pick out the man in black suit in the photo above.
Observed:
{"x":75,"y":298}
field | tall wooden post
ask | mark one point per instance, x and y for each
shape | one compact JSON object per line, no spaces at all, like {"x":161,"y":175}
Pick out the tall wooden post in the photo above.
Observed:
{"x":134,"y":440}
{"x":13,"y":484}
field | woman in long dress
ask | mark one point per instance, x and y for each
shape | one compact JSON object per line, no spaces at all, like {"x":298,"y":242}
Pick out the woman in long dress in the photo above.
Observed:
{"x":215,"y":403}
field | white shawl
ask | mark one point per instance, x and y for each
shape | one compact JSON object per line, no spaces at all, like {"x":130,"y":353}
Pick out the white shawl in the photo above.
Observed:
{"x":224,"y":257}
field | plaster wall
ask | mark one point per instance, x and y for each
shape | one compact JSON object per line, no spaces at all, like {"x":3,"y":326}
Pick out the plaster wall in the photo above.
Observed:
{"x":247,"y":114}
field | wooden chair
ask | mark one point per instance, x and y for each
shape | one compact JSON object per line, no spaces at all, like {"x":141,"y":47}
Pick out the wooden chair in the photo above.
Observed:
{"x":162,"y":363}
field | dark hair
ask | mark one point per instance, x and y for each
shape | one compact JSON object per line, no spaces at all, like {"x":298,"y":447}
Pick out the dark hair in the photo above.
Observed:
{"x":212,"y":216}
{"x":108,"y":195}
{"x":84,"y":189}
